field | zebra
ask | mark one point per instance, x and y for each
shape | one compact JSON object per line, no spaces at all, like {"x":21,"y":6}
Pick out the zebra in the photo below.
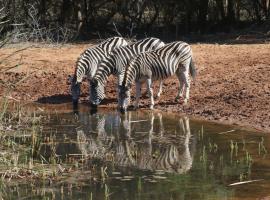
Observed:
{"x":86,"y":64}
{"x":115,"y":64}
{"x":173,"y":58}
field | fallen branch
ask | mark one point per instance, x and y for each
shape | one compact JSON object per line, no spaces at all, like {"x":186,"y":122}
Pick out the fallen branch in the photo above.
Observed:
{"x":12,"y":98}
{"x":138,"y":121}
{"x":245,"y":182}
{"x":230,"y":131}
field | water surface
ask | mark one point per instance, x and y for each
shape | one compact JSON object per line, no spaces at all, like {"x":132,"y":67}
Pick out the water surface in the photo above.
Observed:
{"x":147,"y":155}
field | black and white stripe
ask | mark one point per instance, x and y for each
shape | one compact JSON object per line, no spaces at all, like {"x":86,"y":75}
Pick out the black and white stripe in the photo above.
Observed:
{"x":115,"y":65}
{"x":86,"y":64}
{"x":173,"y":58}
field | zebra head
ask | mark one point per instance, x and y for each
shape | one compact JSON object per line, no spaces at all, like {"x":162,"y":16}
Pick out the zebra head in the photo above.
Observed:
{"x":75,"y":88}
{"x":97,"y":92}
{"x":124,"y":97}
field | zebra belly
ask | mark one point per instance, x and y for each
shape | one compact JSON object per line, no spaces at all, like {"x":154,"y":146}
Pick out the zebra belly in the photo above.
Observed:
{"x":162,"y":70}
{"x":163,"y":74}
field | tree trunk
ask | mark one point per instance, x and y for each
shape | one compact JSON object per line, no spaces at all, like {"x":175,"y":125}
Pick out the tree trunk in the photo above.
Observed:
{"x":79,"y":20}
{"x":64,"y":11}
{"x":238,"y":10}
{"x":256,"y":7}
{"x":221,"y":9}
{"x":267,"y":9}
{"x":86,"y":11}
{"x":187,"y":16}
{"x":42,"y":12}
{"x":230,"y":12}
{"x":203,"y":9}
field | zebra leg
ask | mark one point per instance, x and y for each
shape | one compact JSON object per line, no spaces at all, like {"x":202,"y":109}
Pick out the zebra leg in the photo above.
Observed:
{"x":118,"y":96}
{"x":180,"y":93}
{"x":150,"y":91}
{"x":160,"y":88}
{"x":138,"y":95}
{"x":118,"y":90}
{"x":186,"y":79}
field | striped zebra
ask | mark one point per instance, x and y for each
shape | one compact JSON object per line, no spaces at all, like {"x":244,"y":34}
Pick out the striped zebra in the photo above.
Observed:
{"x":173,"y":58}
{"x":115,"y":64}
{"x":86,"y":64}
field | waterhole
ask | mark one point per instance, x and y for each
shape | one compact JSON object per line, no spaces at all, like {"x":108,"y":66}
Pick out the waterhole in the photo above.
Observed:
{"x":144,"y":155}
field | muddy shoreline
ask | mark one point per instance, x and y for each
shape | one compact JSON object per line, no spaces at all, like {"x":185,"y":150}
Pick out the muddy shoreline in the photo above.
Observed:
{"x":232,"y":86}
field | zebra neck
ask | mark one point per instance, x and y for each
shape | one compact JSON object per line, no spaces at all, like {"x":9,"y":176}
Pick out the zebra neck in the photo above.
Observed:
{"x":108,"y":68}
{"x":129,"y":78}
{"x":112,"y":65}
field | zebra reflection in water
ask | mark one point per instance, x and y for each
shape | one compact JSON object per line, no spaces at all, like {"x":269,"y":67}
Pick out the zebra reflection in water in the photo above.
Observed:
{"x":142,"y":143}
{"x":93,"y":139}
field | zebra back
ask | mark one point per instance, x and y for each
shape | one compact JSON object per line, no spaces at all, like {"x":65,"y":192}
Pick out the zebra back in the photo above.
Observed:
{"x":161,"y":63}
{"x":87,"y":62}
{"x":116,"y":62}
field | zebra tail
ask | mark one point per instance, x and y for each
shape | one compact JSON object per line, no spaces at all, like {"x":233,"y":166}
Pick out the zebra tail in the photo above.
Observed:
{"x":192,"y":69}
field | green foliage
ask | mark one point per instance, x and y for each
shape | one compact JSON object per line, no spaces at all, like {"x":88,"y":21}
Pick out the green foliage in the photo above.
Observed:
{"x":61,"y":20}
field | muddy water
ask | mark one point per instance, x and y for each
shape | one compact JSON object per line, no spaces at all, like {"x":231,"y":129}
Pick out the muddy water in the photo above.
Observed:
{"x":148,"y":155}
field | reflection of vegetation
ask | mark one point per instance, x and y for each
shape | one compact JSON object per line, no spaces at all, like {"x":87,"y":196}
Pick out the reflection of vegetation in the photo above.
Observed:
{"x":20,"y":130}
{"x":262,"y":148}
{"x":233,"y":160}
{"x":20,"y":142}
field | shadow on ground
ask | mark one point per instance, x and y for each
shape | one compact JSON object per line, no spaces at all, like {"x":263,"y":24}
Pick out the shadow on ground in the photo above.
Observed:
{"x":55,"y":99}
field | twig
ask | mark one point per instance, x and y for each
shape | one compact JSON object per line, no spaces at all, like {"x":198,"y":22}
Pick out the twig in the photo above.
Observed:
{"x":14,"y":53}
{"x":116,"y":30}
{"x":9,"y":68}
{"x":244,"y":182}
{"x":226,"y":132}
{"x":138,"y":121}
{"x":12,"y":98}
{"x":3,"y":22}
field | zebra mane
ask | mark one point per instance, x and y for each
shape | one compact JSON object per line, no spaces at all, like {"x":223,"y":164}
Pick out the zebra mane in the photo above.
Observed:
{"x":82,"y":56}
{"x":77,"y":64}
{"x":75,"y":70}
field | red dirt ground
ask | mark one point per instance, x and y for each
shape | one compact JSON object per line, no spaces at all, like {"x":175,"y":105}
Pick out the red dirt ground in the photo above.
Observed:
{"x":232,"y":86}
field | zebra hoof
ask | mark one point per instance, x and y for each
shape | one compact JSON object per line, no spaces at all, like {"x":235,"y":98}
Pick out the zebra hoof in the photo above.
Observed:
{"x":123,"y":110}
{"x":75,"y":102}
{"x":135,"y":107}
{"x":93,"y":111}
{"x":93,"y":105}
